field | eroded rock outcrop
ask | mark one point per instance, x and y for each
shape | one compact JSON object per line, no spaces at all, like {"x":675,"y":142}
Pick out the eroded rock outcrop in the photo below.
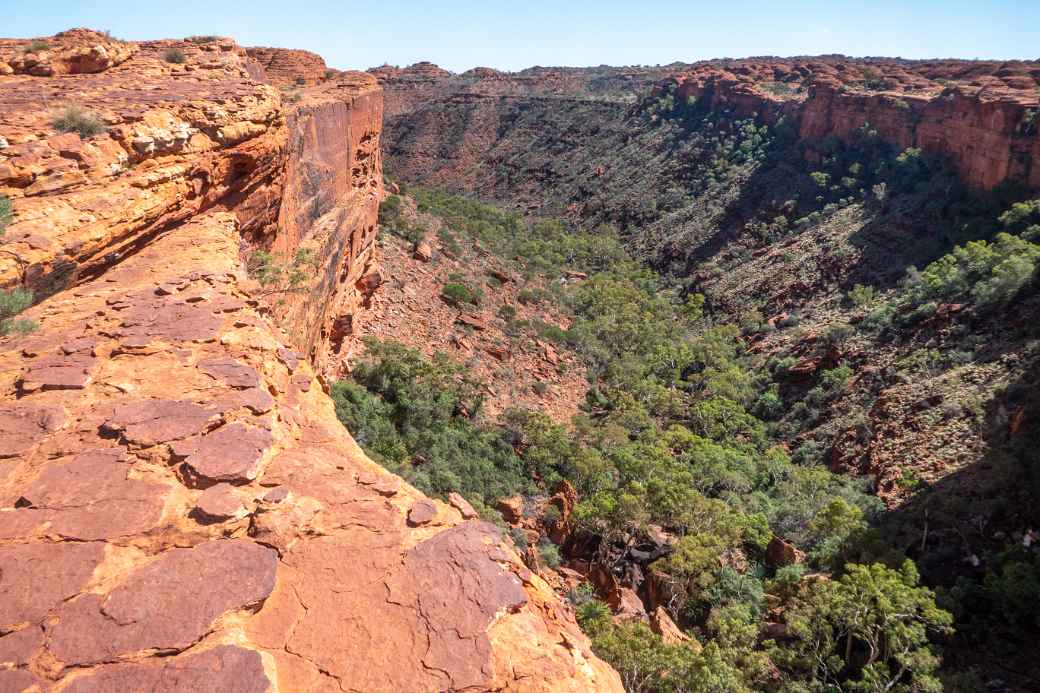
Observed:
{"x":290,"y":67}
{"x":180,"y":509}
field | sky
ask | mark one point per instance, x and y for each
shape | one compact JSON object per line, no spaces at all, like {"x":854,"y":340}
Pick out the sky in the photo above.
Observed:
{"x":460,"y":34}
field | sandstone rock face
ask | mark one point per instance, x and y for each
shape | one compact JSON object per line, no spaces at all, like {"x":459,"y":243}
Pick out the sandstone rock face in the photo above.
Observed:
{"x":180,"y":509}
{"x":76,"y":51}
{"x":981,"y":115}
{"x":289,"y":67}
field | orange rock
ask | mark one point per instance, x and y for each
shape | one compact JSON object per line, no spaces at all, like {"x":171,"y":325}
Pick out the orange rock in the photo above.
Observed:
{"x":781,"y":553}
{"x":671,"y":634}
{"x":512,"y":509}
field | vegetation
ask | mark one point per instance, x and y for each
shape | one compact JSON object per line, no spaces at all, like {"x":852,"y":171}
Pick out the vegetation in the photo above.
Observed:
{"x":74,"y":118}
{"x":6,"y":214}
{"x":670,"y":435}
{"x":276,"y":274}
{"x":37,"y":47}
{"x":393,"y":219}
{"x":13,"y":302}
{"x":458,"y":295}
{"x":174,"y":55}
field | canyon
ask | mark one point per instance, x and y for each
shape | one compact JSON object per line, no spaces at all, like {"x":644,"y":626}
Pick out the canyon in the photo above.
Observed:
{"x":179,"y":507}
{"x":204,"y":229}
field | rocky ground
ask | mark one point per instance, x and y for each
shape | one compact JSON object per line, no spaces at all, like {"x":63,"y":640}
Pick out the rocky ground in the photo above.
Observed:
{"x":519,"y":369}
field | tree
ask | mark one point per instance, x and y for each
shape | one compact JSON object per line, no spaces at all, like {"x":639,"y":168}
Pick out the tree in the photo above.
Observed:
{"x":868,"y":631}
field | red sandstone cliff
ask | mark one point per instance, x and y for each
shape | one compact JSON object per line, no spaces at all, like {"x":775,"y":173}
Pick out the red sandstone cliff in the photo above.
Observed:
{"x":288,"y":67}
{"x":179,"y":507}
{"x":981,"y":115}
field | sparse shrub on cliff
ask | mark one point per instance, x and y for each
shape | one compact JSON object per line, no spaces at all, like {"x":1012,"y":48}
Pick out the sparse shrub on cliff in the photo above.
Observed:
{"x":74,"y":118}
{"x":13,"y":302}
{"x":202,"y":39}
{"x":458,"y":295}
{"x":37,"y":47}
{"x":549,"y":553}
{"x":5,"y":214}
{"x":174,"y":55}
{"x":278,"y":275}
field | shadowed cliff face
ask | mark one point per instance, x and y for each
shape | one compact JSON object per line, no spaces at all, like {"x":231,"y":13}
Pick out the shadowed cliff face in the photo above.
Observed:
{"x":179,"y":507}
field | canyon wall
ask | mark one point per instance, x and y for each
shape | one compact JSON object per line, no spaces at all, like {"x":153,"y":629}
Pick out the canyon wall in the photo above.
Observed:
{"x":981,"y":116}
{"x":180,"y":509}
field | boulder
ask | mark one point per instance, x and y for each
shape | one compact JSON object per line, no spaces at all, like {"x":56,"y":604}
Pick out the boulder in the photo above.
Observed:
{"x":781,"y":553}
{"x":512,"y":509}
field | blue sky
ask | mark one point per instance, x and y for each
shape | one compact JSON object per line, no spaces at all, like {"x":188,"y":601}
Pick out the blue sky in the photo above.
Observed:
{"x":512,"y":35}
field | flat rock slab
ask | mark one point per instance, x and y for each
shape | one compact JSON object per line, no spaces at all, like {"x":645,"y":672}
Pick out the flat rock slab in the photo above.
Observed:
{"x":454,"y":580}
{"x":225,"y":668}
{"x":57,"y":372}
{"x":22,"y":425}
{"x":167,"y":605}
{"x":229,"y":454}
{"x":232,"y":372}
{"x":221,"y":503}
{"x":153,"y":421}
{"x":90,"y":497}
{"x":34,"y":578}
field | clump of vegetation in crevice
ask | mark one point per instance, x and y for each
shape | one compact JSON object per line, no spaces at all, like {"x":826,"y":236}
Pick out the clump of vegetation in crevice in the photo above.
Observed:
{"x":13,"y":302}
{"x":37,"y":46}
{"x":277,"y":274}
{"x":174,"y":56}
{"x":6,"y":214}
{"x":74,"y":118}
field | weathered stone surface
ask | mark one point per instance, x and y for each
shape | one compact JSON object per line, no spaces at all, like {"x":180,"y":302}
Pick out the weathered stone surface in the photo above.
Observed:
{"x":462,"y":505}
{"x":37,"y":577}
{"x":422,"y":513}
{"x":23,"y":424}
{"x":231,"y":372}
{"x":512,"y":509}
{"x":225,"y":668}
{"x":780,"y":553}
{"x":167,"y":605}
{"x":18,"y":648}
{"x":231,"y":453}
{"x":90,"y":497}
{"x":220,"y":503}
{"x":289,"y":67}
{"x":150,"y":422}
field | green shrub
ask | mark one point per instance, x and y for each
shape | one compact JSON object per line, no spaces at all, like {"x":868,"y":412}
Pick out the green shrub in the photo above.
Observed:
{"x":37,"y":47}
{"x":458,"y":295}
{"x":984,"y":273}
{"x":6,"y":214}
{"x":74,"y":119}
{"x":202,"y":39}
{"x":861,"y":295}
{"x":13,"y":302}
{"x":549,"y":553}
{"x":174,"y":55}
{"x":869,"y":630}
